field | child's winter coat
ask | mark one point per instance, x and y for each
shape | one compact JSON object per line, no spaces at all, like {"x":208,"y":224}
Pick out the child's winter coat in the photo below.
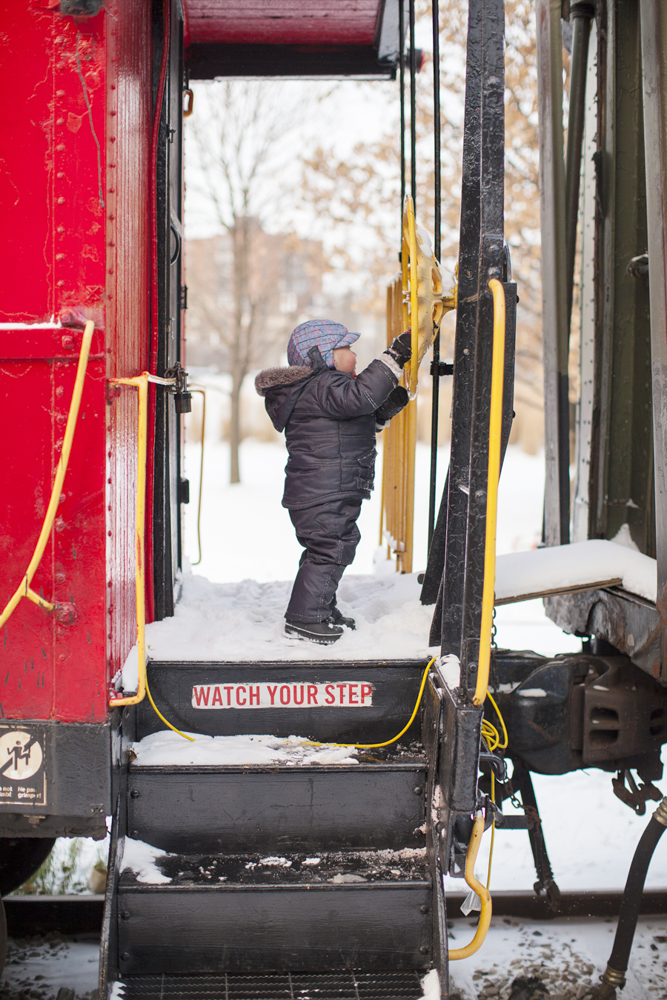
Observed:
{"x":329,"y":422}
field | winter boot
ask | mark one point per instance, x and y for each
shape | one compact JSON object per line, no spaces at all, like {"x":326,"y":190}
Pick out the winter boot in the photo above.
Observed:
{"x":323,"y":632}
{"x":336,"y":618}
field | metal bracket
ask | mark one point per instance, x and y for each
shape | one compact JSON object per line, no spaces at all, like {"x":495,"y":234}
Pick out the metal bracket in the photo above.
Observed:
{"x":442,"y":368}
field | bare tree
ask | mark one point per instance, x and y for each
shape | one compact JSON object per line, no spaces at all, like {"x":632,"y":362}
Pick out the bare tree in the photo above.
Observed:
{"x":365,"y":186}
{"x":240,"y":135}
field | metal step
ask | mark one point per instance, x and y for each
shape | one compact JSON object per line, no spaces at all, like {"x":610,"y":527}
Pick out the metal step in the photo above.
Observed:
{"x":343,"y":984}
{"x":221,"y":913}
{"x":279,"y":808}
{"x":366,"y":702}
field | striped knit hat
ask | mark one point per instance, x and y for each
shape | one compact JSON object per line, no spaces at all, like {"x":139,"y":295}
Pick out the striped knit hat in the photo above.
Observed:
{"x":321,"y":333}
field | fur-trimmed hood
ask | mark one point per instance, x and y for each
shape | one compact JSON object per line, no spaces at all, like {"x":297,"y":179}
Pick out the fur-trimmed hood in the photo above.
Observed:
{"x":281,"y":387}
{"x":270,"y":378}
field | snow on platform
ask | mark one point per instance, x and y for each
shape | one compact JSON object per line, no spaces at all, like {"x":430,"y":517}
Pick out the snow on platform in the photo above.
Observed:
{"x":245,"y":621}
{"x":579,"y":566}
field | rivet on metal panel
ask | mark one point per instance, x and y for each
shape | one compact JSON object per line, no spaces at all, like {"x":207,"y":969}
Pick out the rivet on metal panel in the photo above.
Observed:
{"x":424,"y":949}
{"x":60,"y":148}
{"x":60,"y":121}
{"x":60,"y":93}
{"x":68,"y":342}
{"x":418,"y":790}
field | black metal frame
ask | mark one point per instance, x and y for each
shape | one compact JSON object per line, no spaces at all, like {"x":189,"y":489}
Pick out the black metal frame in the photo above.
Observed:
{"x":167,"y":494}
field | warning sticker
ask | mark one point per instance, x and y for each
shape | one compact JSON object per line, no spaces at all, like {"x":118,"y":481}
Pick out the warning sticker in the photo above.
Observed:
{"x":22,"y":773}
{"x":342,"y":694}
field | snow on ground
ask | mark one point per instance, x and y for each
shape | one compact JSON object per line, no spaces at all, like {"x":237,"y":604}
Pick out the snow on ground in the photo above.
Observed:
{"x":39,"y":968}
{"x":247,"y":534}
{"x":566,"y":954}
{"x":167,"y":748}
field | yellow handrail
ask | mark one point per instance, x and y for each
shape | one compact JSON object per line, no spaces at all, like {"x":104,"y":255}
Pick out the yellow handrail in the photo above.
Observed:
{"x":482,"y":892}
{"x":24,"y":590}
{"x":495,"y":433}
{"x":140,"y":382}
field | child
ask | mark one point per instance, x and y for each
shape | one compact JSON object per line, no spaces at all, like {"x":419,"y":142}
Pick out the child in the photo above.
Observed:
{"x":330,"y":417}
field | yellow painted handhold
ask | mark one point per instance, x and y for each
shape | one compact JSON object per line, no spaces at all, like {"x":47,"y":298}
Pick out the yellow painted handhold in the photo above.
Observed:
{"x":481,"y":890}
{"x":140,"y":382}
{"x":24,"y":590}
{"x":493,"y":476}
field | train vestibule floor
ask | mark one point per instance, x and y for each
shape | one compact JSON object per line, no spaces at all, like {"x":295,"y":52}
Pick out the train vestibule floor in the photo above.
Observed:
{"x":244,"y":621}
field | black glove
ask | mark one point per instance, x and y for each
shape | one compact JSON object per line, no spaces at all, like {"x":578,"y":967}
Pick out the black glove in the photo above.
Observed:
{"x":400,"y":348}
{"x":396,"y":400}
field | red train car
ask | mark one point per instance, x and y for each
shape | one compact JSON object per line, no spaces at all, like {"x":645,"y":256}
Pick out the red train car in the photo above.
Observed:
{"x":92,"y":198}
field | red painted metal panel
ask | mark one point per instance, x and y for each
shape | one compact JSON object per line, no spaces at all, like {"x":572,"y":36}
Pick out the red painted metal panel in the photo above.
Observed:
{"x":74,"y":196}
{"x":283,"y":22}
{"x":48,"y":668}
{"x":127,"y":304}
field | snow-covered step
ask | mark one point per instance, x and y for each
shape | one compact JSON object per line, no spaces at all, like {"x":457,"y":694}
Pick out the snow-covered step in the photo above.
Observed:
{"x":253,"y":913}
{"x":275,"y":808}
{"x":337,"y":701}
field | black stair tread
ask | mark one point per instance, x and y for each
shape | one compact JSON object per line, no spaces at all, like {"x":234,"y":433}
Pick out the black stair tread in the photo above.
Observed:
{"x":339,"y":868}
{"x":341,"y":985}
{"x":398,"y":756}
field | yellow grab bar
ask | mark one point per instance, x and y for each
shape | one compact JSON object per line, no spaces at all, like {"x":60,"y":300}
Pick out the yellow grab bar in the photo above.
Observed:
{"x":482,"y":892}
{"x":495,"y":432}
{"x":24,"y":590}
{"x":141,"y":383}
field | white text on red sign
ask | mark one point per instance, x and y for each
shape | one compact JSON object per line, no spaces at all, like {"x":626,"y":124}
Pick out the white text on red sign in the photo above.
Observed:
{"x":341,"y":694}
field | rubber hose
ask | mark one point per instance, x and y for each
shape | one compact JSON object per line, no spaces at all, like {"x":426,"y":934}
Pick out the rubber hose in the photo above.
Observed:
{"x":632,"y":895}
{"x":614,"y":977}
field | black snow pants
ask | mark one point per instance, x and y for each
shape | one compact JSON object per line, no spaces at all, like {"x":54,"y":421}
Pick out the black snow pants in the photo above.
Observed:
{"x":329,"y":534}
